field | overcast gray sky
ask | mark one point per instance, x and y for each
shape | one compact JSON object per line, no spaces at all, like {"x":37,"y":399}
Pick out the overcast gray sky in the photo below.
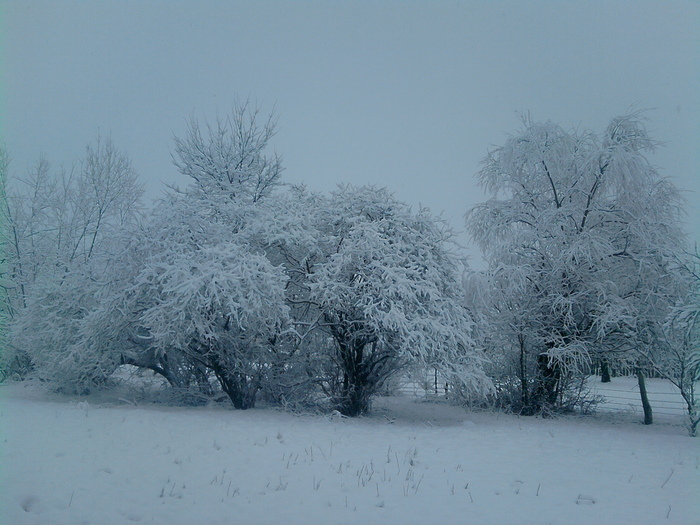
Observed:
{"x":409,"y":95}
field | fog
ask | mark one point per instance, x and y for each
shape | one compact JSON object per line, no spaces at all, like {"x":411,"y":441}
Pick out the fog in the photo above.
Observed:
{"x":405,"y":95}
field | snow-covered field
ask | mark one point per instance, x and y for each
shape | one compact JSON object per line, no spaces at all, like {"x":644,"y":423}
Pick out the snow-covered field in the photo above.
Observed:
{"x":100,"y":460}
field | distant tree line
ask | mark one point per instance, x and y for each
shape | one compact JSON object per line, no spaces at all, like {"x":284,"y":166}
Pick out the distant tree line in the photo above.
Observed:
{"x":244,"y":285}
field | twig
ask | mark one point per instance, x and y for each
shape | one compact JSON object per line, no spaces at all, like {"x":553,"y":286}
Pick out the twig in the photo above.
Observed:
{"x":418,"y":485}
{"x":669,"y":477}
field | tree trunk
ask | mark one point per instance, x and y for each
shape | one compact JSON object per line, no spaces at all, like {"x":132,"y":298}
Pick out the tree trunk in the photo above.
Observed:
{"x":356,"y":392}
{"x":236,"y":386}
{"x":546,"y":389}
{"x":524,"y":386}
{"x":202,"y":381}
{"x":648,"y":417}
{"x":691,"y":405}
{"x":605,"y":371}
{"x":693,"y":421}
{"x":354,"y":400}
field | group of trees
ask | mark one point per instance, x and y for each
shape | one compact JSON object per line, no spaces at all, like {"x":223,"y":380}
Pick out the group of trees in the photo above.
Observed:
{"x":237,"y":283}
{"x":245,"y":285}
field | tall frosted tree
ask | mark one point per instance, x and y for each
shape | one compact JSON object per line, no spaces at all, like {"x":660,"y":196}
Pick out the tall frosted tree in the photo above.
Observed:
{"x":585,"y":228}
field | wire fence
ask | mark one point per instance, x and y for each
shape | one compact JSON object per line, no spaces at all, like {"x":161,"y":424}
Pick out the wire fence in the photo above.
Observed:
{"x":421,"y":384}
{"x":623,"y":396}
{"x":620,"y":395}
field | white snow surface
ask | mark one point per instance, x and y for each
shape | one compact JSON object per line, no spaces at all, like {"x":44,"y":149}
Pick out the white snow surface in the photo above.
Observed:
{"x":101,"y":460}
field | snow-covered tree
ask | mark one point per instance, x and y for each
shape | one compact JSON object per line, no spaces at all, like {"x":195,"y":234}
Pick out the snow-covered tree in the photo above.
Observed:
{"x":214,"y":301}
{"x":506,"y":314}
{"x":48,"y":331}
{"x":56,"y":220}
{"x":112,"y":324}
{"x":680,"y":360}
{"x":387,"y":293}
{"x":586,"y":229}
{"x":287,"y":231}
{"x":6,"y":284}
{"x":105,"y":197}
{"x":30,"y":215}
{"x":205,"y":297}
{"x":60,"y":231}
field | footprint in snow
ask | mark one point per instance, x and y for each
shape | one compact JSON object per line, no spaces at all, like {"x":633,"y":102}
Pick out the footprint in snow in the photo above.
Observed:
{"x":29,"y":503}
{"x":585,"y":500}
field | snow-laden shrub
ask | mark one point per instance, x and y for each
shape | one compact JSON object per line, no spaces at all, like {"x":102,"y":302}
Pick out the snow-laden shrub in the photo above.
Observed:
{"x":221,"y":306}
{"x":49,"y":332}
{"x":387,"y":291}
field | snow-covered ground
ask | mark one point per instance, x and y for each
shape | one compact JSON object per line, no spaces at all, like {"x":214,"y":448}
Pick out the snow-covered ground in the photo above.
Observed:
{"x":101,"y":460}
